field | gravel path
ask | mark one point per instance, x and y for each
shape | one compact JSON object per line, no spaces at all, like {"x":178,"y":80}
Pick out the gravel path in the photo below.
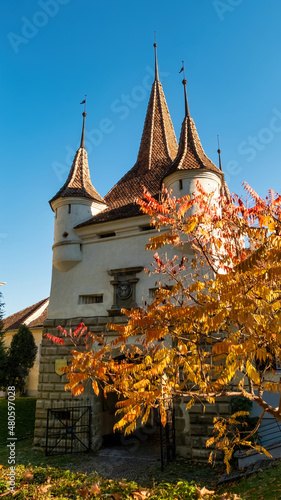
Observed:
{"x":140,"y":464}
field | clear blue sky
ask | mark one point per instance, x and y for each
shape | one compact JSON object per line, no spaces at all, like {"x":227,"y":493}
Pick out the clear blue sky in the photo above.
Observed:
{"x":53,"y":52}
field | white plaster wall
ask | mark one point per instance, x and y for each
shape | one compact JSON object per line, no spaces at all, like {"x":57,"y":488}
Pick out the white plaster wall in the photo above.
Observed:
{"x":90,"y":276}
{"x":66,"y":249}
{"x":82,"y":209}
{"x":210,"y":181}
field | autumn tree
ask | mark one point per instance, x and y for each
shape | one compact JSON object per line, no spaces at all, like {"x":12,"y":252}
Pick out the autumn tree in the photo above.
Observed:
{"x":214,"y":327}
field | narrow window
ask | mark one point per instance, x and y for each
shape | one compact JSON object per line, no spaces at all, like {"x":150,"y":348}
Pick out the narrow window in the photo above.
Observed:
{"x":106,"y":235}
{"x":146,"y":228}
{"x":56,"y":213}
{"x":69,"y":209}
{"x":180,"y":184}
{"x":90,"y":299}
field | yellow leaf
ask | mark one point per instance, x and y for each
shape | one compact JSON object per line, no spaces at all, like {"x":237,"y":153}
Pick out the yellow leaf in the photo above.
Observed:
{"x":95,"y":387}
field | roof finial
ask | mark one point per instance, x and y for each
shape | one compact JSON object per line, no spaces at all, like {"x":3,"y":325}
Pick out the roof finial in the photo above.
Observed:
{"x":156,"y":65}
{"x":84,"y":114}
{"x":184,"y":82}
{"x":219,"y":152}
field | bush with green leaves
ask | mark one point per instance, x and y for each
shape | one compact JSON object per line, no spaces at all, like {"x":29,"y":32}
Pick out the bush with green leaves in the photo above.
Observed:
{"x":21,"y":358}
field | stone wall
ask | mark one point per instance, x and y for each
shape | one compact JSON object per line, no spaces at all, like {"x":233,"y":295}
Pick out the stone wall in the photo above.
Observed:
{"x":195,"y":426}
{"x":51,"y":386}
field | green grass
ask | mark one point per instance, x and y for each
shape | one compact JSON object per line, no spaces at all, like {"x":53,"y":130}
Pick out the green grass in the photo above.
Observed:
{"x":265,"y":485}
{"x":25,"y":417}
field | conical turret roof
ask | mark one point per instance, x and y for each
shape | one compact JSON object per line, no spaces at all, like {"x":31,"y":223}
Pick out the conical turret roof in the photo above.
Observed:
{"x":191,"y":154}
{"x":158,"y":148}
{"x":78,"y":183}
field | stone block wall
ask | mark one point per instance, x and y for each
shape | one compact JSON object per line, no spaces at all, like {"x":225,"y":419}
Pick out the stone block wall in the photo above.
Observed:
{"x":195,"y":426}
{"x":51,"y":386}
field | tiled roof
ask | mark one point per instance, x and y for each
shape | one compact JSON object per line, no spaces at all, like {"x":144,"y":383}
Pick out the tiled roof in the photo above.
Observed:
{"x":158,"y":148}
{"x":40,"y":320}
{"x":191,"y":155}
{"x":24,"y":316}
{"x":78,"y":182}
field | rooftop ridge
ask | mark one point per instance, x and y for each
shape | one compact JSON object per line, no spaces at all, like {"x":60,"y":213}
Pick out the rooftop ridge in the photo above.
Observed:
{"x":13,"y":321}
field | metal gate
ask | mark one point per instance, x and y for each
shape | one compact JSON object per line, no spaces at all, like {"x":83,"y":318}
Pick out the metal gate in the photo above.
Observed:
{"x":68,"y":430}
{"x":168,"y":437}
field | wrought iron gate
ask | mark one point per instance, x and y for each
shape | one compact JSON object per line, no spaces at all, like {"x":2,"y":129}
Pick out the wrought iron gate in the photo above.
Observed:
{"x":168,"y":437}
{"x":68,"y":430}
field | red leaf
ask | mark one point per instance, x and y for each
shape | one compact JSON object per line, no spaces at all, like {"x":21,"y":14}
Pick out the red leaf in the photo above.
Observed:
{"x":54,"y":339}
{"x":79,"y":327}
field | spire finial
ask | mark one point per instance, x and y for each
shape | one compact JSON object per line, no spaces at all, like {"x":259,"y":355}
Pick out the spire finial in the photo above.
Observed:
{"x":219,"y":152}
{"x":182,"y":70}
{"x":156,"y":65}
{"x":84,"y":114}
{"x":184,"y":82}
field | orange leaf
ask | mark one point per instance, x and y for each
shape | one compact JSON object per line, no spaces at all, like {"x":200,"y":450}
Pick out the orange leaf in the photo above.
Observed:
{"x":95,"y":489}
{"x":95,"y":387}
{"x":28,"y":476}
{"x":79,"y":389}
{"x":140,"y":494}
{"x":84,"y":492}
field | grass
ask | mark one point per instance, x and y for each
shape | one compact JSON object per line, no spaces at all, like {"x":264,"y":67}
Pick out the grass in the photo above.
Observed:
{"x":265,"y":485}
{"x":25,"y":417}
{"x":40,"y":477}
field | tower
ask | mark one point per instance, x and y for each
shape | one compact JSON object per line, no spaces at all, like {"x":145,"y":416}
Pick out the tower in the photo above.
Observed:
{"x":192,"y":164}
{"x":99,"y":252}
{"x":73,"y":204}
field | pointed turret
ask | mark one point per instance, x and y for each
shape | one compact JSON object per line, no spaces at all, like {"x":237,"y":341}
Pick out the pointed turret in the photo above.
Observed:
{"x":78,"y":183}
{"x":158,"y":148}
{"x":73,"y":204}
{"x":191,"y":154}
{"x":191,"y":163}
{"x":158,"y":145}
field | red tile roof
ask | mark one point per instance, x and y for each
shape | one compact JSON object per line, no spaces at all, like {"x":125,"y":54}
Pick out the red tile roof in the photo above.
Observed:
{"x":78,"y":182}
{"x":14,"y":321}
{"x":158,"y":148}
{"x":191,"y":154}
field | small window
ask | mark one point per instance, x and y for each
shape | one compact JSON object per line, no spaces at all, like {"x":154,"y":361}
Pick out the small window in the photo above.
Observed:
{"x":152,"y":292}
{"x":146,"y":228}
{"x":56,"y":213}
{"x":69,"y":209}
{"x":90,"y":299}
{"x":180,"y":184}
{"x":62,"y":414}
{"x":106,"y":235}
